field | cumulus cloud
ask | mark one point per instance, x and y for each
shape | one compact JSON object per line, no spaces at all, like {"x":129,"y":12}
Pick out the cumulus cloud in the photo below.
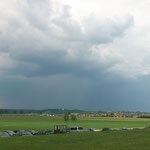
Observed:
{"x":43,"y":38}
{"x":47,"y":45}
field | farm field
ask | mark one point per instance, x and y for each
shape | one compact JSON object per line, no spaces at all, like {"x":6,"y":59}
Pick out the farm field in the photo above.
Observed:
{"x":108,"y":140}
{"x":14,"y":122}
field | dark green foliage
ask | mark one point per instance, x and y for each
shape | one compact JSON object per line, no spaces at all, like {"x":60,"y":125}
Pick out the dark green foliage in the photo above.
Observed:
{"x":30,"y":111}
{"x":1,"y":111}
{"x":21,"y":111}
{"x":5,"y":111}
{"x":73,"y":117}
{"x":66,"y":117}
{"x":144,"y":117}
{"x":14,"y":111}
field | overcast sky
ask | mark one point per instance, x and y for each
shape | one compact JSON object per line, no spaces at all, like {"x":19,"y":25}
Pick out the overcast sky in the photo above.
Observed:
{"x":89,"y":54}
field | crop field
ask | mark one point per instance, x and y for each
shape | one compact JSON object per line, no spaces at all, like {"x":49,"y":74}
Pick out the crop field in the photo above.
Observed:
{"x":108,"y":140}
{"x":14,"y":122}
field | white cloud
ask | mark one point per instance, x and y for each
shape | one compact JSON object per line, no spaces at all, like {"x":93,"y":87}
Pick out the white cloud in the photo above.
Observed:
{"x":95,"y":34}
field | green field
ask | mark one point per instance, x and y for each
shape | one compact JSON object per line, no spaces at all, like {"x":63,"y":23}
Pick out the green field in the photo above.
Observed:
{"x":108,"y":140}
{"x":13,"y":122}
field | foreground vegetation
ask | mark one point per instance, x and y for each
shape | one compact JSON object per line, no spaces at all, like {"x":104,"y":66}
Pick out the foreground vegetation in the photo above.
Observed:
{"x":108,"y":140}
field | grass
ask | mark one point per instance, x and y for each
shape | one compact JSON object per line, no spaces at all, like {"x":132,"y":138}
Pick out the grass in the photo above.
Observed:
{"x":108,"y":140}
{"x":13,"y":122}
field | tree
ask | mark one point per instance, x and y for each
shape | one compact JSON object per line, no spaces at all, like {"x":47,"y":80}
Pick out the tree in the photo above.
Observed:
{"x":14,"y":111}
{"x":111,"y":114}
{"x":21,"y":111}
{"x":30,"y":111}
{"x":73,"y":117}
{"x":1,"y":111}
{"x":66,"y":116}
{"x":5,"y":111}
{"x":40,"y":112}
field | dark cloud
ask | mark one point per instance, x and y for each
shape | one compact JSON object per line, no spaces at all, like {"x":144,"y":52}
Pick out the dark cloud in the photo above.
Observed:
{"x":50,"y":60}
{"x":66,"y":91}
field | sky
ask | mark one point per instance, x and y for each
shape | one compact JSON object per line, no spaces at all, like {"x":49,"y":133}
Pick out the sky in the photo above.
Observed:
{"x":73,"y":54}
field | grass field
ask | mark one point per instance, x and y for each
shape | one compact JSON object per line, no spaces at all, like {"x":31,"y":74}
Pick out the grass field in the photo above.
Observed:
{"x":108,"y":140}
{"x":13,"y":122}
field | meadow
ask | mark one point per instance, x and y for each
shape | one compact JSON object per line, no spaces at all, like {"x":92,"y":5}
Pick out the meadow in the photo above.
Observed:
{"x":108,"y":140}
{"x":14,"y":122}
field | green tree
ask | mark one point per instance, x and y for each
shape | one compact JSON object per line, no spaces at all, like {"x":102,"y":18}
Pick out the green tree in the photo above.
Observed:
{"x":21,"y":111}
{"x":30,"y":111}
{"x":14,"y":111}
{"x":1,"y":111}
{"x":73,"y":117}
{"x":40,"y":112}
{"x":66,"y":116}
{"x":112,"y":114}
{"x":5,"y":111}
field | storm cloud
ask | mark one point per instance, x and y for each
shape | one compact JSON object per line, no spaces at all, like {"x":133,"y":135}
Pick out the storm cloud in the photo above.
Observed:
{"x":55,"y":55}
